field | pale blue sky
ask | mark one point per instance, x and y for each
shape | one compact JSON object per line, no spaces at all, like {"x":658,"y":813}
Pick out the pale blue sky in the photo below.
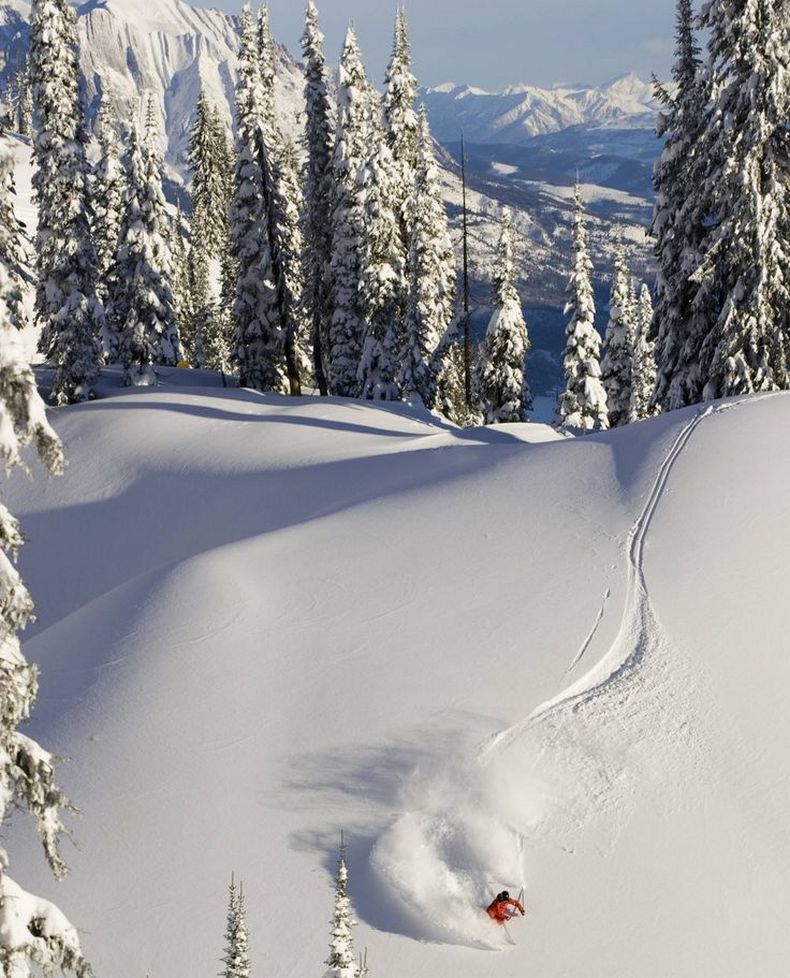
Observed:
{"x":494,"y":43}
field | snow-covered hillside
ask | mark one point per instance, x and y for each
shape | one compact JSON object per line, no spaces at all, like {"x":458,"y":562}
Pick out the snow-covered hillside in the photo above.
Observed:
{"x":493,"y":657}
{"x":523,"y":111}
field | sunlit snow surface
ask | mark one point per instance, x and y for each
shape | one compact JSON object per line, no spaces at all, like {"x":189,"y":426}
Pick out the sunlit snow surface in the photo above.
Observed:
{"x":495,"y":657}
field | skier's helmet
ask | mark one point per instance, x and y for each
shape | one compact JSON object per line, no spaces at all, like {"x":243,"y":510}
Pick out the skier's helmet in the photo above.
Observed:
{"x":505,"y":895}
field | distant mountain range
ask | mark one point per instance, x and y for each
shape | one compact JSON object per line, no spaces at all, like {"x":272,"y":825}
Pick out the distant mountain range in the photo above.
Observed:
{"x":169,"y":48}
{"x":523,"y":111}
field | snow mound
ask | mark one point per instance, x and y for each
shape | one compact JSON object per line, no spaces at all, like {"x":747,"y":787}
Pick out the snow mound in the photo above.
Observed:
{"x":495,"y":658}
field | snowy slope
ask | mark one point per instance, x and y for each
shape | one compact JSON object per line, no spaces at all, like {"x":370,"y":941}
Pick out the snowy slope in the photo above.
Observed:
{"x":523,"y":111}
{"x":492,"y":657}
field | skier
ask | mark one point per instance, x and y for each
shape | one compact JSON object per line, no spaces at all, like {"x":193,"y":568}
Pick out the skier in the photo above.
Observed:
{"x":500,"y":908}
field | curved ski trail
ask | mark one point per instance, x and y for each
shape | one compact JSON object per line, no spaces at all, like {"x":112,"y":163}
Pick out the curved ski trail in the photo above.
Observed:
{"x":630,"y":717}
{"x":628,"y":648}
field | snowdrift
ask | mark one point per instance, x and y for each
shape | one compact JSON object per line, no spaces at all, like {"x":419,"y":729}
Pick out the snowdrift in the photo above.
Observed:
{"x":493,"y":657}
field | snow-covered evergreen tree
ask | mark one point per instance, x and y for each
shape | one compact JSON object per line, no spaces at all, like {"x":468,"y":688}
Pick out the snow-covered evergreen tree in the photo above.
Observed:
{"x":203,"y":323}
{"x":451,"y":383}
{"x":182,"y":283}
{"x":403,"y":134}
{"x":228,"y":272}
{"x":431,"y":277}
{"x":26,"y":770}
{"x":242,"y":939}
{"x":616,"y":363}
{"x":319,"y":142}
{"x":341,"y":961}
{"x":502,"y":384}
{"x":220,"y":353}
{"x":11,"y":256}
{"x":643,"y":371}
{"x":7,"y":107}
{"x":208,"y":342}
{"x":400,"y":117}
{"x":383,"y":281}
{"x":266,"y":55}
{"x":258,"y":329}
{"x":680,"y":225}
{"x":583,"y":404}
{"x":110,"y":186}
{"x":208,"y":190}
{"x":236,"y":959}
{"x":23,"y":103}
{"x":286,"y":230}
{"x":142,"y":307}
{"x":747,"y":147}
{"x":67,"y":308}
{"x":349,"y":232}
{"x":282,"y":196}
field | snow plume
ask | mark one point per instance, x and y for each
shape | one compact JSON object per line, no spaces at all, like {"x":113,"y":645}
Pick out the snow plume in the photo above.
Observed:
{"x":457,"y":843}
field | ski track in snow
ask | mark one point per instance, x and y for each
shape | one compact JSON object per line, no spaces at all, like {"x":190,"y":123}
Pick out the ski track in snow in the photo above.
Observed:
{"x":624,"y":654}
{"x":467,"y":823}
{"x":591,"y":634}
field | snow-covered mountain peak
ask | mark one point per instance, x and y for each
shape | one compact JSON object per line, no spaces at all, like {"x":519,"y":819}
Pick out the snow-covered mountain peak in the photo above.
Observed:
{"x":165,"y":47}
{"x":521,"y":111}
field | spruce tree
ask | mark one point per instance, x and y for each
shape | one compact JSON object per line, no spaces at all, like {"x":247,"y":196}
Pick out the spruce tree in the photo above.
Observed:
{"x":241,"y":965}
{"x":208,"y":190}
{"x":183,"y":284}
{"x":383,"y":274}
{"x":319,"y":142}
{"x":236,"y":959}
{"x":747,"y":255}
{"x":12,"y":307}
{"x":403,"y":134}
{"x":203,"y":320}
{"x":142,"y":307}
{"x":67,"y":307}
{"x":7,"y":107}
{"x":616,"y":363}
{"x":228,"y":273}
{"x":643,"y":370}
{"x":680,"y":225}
{"x":341,"y":960}
{"x":502,"y":385}
{"x":210,"y":336}
{"x":110,"y":186}
{"x":27,"y":779}
{"x":349,"y":232}
{"x":258,"y":340}
{"x":583,"y":404}
{"x":288,"y":210}
{"x":451,"y":381}
{"x":281,"y":203}
{"x":431,"y":277}
{"x":400,"y":117}
{"x":23,"y":103}
{"x":266,"y":57}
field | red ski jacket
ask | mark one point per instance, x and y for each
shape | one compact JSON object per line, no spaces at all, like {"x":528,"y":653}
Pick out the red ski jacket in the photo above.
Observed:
{"x":499,"y":910}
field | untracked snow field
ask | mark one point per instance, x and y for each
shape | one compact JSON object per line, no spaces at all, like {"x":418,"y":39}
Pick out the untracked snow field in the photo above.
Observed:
{"x":494,"y":657}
